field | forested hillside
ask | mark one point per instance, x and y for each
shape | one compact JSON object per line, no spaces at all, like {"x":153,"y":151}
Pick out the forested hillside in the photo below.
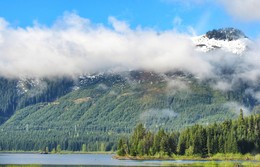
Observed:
{"x":96,"y":110}
{"x":17,"y":94}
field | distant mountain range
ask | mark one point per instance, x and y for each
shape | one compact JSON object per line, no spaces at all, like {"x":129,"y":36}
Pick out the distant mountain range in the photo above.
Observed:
{"x":97,"y":109}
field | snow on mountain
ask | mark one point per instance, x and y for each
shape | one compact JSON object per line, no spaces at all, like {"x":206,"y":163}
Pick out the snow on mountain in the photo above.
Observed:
{"x":27,"y":85}
{"x":229,"y":40}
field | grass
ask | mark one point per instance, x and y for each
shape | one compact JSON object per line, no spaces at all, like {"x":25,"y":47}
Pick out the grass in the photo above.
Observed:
{"x":230,"y":156}
{"x":216,"y":157}
{"x":216,"y":164}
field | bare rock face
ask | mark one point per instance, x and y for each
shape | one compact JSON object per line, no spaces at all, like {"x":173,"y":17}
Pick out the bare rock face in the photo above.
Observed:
{"x":229,"y":34}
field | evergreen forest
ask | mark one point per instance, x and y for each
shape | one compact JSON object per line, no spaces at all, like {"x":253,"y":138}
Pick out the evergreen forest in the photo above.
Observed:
{"x":94,"y":111}
{"x":237,"y":136}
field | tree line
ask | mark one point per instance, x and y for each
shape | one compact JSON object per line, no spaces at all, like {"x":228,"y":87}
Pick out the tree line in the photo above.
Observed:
{"x":237,"y":136}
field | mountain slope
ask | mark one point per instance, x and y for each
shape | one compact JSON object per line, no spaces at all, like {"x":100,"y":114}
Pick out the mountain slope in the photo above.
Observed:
{"x":99,"y":113}
{"x":97,"y":109}
{"x":19,"y":93}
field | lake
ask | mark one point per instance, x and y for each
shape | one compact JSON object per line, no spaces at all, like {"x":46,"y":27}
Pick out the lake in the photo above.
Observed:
{"x":94,"y":160}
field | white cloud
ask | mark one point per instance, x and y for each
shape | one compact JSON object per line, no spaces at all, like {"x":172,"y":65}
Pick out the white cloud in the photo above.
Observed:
{"x":119,"y":26}
{"x":74,"y":45}
{"x":222,"y":85}
{"x":3,"y":24}
{"x":247,"y":10}
{"x":235,"y":108}
{"x":157,"y":115}
{"x":177,"y":21}
{"x":253,"y":93}
{"x":178,"y":86}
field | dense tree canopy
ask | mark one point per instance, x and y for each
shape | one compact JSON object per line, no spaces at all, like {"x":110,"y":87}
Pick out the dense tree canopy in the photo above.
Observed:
{"x":239,"y":136}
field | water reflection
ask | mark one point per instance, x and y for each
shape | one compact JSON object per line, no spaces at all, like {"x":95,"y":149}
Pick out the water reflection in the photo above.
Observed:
{"x":100,"y":160}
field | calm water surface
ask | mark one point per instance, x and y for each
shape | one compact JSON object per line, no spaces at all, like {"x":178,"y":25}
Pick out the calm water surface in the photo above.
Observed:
{"x":83,"y":159}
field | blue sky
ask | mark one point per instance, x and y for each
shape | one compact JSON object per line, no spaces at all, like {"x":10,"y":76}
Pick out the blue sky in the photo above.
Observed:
{"x":184,"y":16}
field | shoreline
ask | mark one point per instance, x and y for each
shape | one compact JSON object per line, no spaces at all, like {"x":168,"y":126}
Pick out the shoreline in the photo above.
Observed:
{"x":62,"y":152}
{"x":228,"y":157}
{"x":217,"y":157}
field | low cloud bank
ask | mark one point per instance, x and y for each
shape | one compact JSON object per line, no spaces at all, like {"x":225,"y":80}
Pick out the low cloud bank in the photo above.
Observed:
{"x":73,"y":45}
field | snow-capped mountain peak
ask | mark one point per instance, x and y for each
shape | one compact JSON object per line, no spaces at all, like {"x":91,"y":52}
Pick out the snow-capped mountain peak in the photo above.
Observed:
{"x":227,"y":39}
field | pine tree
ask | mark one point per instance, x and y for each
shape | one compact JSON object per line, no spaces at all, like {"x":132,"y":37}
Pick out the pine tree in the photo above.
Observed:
{"x":148,"y":143}
{"x":173,"y":142}
{"x":120,"y":148}
{"x":84,"y":148}
{"x":182,"y":144}
{"x":141,"y":148}
{"x":58,"y":148}
{"x":138,"y":135}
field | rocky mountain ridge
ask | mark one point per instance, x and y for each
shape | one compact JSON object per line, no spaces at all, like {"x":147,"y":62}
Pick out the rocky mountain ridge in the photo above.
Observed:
{"x":227,"y":39}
